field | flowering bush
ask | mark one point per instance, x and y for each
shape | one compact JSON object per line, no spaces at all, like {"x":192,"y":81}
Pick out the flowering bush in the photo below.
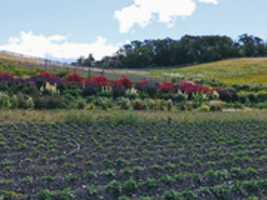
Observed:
{"x":75,"y":78}
{"x":123,"y":82}
{"x":52,"y":79}
{"x":191,"y":88}
{"x":97,"y":81}
{"x":147,"y":87}
{"x":167,"y":87}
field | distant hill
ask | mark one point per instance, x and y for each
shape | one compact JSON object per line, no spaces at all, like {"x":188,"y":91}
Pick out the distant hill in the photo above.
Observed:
{"x":22,"y":65}
{"x":233,"y":71}
{"x":28,"y":60}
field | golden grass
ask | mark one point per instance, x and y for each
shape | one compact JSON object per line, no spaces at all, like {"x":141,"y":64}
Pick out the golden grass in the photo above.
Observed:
{"x":235,"y":71}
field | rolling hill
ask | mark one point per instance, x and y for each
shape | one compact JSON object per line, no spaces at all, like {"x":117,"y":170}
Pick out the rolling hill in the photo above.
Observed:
{"x":234,"y":71}
{"x":22,"y":65}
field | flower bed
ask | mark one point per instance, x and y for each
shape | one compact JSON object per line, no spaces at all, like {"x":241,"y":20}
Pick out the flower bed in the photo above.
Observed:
{"x":75,"y":89}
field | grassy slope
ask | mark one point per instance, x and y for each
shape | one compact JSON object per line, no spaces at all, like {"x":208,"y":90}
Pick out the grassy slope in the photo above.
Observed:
{"x":30,"y":66}
{"x":236,"y":71}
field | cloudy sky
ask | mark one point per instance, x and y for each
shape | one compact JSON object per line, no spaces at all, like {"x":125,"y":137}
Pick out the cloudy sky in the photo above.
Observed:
{"x":69,"y":29}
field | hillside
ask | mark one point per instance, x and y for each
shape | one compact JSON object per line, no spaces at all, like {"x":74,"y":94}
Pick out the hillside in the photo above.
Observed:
{"x":22,"y":65}
{"x":234,"y":71}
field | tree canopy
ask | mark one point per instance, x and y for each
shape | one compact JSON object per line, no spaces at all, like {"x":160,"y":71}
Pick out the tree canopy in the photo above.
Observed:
{"x":185,"y":51}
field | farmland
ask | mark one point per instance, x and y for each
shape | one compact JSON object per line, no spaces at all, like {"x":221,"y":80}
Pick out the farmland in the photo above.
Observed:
{"x":77,"y":136}
{"x":129,"y":155}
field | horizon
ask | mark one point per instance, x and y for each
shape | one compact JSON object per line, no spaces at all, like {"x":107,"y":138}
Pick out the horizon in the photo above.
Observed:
{"x":68,"y":30}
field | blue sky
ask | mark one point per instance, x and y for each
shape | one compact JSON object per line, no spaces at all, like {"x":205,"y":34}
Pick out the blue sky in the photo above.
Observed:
{"x":67,"y":28}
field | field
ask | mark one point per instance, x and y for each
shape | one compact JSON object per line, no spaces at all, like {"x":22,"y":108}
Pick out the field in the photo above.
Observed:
{"x":236,"y":71}
{"x":67,"y":155}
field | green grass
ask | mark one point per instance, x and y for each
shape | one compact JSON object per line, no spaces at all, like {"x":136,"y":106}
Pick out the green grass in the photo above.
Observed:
{"x":120,"y":116}
{"x":230,"y":72}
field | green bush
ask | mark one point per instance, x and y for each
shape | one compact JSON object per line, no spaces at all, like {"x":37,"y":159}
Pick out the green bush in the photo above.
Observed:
{"x":179,"y":97}
{"x":50,"y":102}
{"x":5,"y":101}
{"x":150,"y":104}
{"x":124,"y":103}
{"x":204,"y":108}
{"x":103,"y":102}
{"x":25,"y":102}
{"x":198,"y":99}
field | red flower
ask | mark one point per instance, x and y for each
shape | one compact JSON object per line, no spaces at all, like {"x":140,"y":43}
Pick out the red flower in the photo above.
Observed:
{"x":75,"y":78}
{"x":99,"y":81}
{"x":166,"y":87}
{"x":123,"y":82}
{"x":45,"y":75}
{"x":192,"y":88}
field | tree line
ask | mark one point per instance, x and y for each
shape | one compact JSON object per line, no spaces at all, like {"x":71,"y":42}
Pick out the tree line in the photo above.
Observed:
{"x":185,"y":51}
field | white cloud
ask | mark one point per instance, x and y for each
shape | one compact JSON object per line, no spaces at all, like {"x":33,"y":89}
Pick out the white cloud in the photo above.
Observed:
{"x":142,"y":12}
{"x":209,"y":1}
{"x":57,"y":46}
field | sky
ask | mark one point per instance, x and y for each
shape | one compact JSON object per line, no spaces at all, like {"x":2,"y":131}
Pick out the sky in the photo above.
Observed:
{"x":68,"y":29}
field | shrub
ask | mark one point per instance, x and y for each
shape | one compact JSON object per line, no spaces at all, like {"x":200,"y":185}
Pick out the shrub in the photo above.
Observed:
{"x":124,"y":103}
{"x":5,"y":101}
{"x":150,"y":104}
{"x":138,"y":104}
{"x":89,"y":90}
{"x":132,"y":93}
{"x":228,"y":95}
{"x":167,"y":87}
{"x":262,"y":96}
{"x":179,"y":97}
{"x":75,"y":78}
{"x":80,"y":103}
{"x":118,"y":91}
{"x":216,"y":105}
{"x":123,"y":82}
{"x":198,"y":99}
{"x":97,"y":84}
{"x":148,"y":87}
{"x":204,"y":108}
{"x":98,"y":81}
{"x":103,"y":102}
{"x":23,"y":101}
{"x":261,"y":105}
{"x":191,"y":88}
{"x":50,"y":102}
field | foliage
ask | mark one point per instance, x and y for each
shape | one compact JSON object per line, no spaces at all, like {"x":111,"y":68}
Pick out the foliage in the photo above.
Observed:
{"x":187,"y":50}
